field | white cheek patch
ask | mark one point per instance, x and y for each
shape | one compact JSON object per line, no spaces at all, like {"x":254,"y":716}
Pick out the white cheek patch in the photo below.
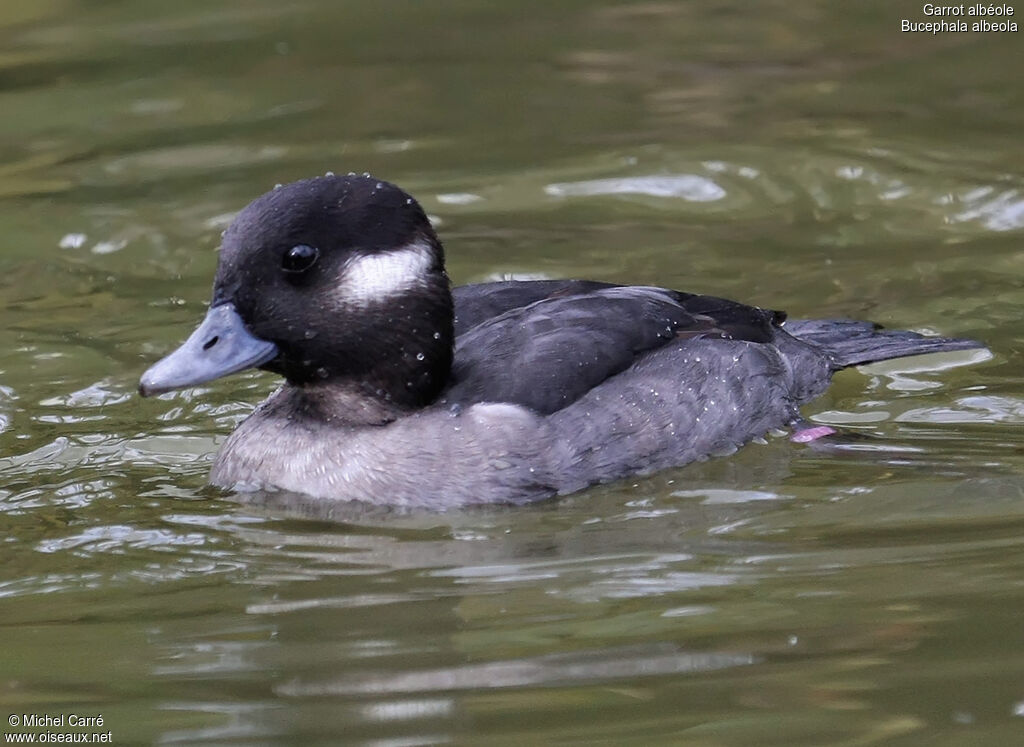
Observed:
{"x":374,"y":278}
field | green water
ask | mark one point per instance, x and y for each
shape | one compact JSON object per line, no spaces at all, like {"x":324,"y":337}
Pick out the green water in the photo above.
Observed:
{"x":800,"y":155}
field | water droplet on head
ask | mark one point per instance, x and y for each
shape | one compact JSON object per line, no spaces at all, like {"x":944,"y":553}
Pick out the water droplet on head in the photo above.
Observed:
{"x":322,"y":372}
{"x":366,"y":174}
{"x":408,"y":201}
{"x":309,"y":334}
{"x":351,"y":173}
{"x":420,"y":356}
{"x":437,"y":335}
{"x":328,"y":173}
{"x":278,"y":186}
{"x":380,"y":185}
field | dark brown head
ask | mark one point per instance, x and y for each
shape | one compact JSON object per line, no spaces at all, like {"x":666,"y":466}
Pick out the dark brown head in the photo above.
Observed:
{"x":332,"y":279}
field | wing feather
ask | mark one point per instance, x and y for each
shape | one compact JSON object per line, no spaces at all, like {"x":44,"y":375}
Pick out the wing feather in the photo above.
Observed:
{"x":547,"y":353}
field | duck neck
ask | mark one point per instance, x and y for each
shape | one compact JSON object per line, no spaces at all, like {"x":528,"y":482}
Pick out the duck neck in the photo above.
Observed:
{"x":385,"y":362}
{"x":335,"y":403}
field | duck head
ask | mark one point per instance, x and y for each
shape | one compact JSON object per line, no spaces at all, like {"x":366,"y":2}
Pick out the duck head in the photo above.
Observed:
{"x":336,"y":280}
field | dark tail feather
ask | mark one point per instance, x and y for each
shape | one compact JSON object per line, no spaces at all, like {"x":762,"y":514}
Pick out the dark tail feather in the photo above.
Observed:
{"x":851,"y":343}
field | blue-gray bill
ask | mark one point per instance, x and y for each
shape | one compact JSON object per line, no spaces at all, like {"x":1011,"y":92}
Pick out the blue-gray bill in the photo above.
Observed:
{"x":221,"y":345}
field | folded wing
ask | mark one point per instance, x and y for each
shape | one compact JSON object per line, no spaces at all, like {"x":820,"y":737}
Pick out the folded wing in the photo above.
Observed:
{"x":547,"y":353}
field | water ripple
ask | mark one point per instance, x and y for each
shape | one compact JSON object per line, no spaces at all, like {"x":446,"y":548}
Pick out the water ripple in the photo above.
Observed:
{"x":689,"y":187}
{"x":120,"y":537}
{"x":973,"y":409}
{"x":557,"y":669}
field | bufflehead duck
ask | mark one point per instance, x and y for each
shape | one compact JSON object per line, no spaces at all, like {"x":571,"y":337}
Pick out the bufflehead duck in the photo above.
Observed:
{"x":400,"y":390}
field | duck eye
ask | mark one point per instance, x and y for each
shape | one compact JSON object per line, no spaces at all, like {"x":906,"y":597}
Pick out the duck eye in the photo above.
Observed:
{"x":299,"y":258}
